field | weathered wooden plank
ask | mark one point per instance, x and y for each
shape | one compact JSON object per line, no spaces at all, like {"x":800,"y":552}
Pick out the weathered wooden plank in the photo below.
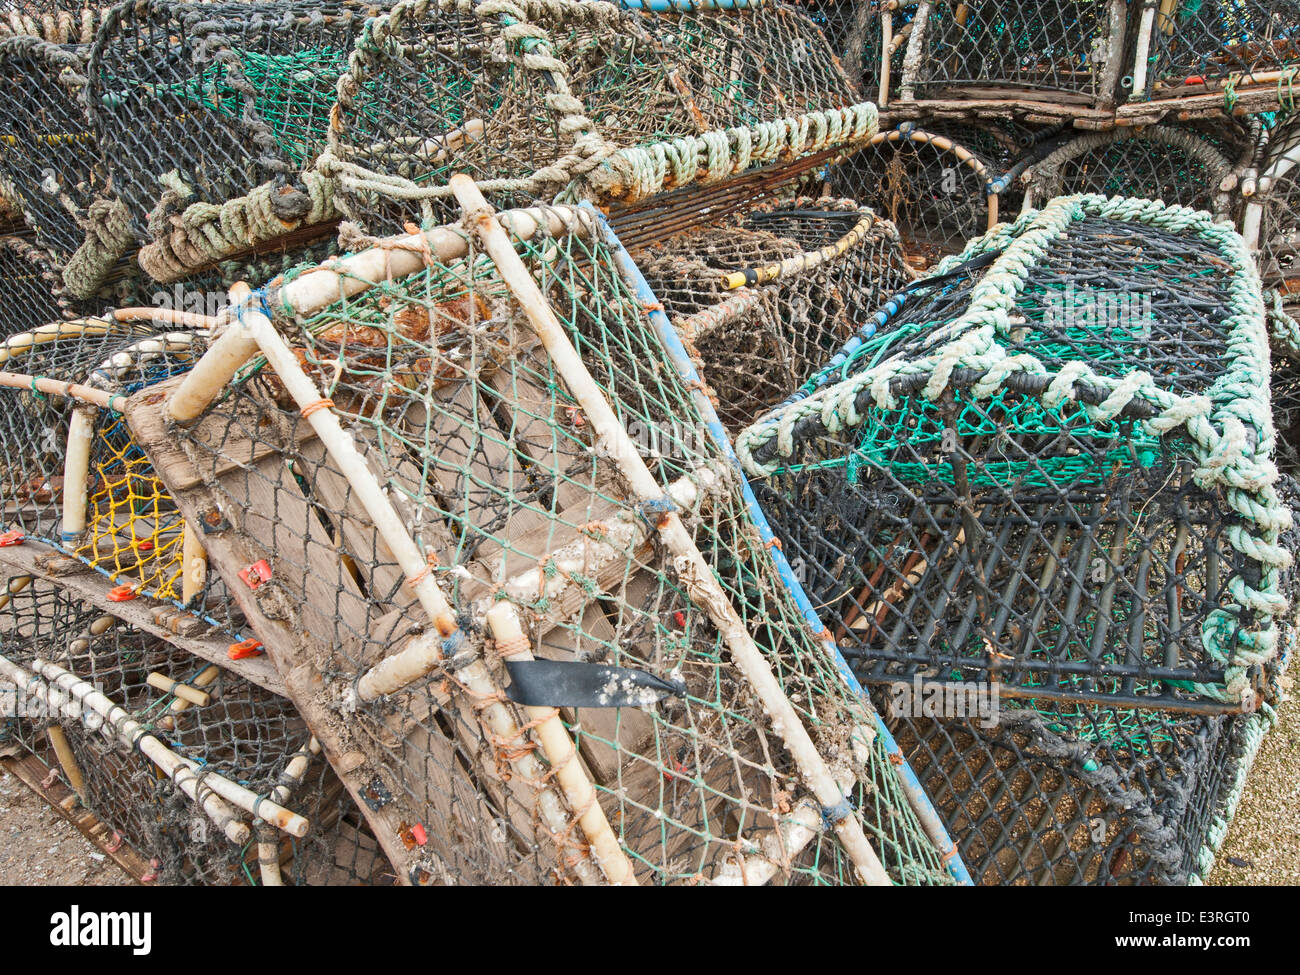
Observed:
{"x":153,"y":617}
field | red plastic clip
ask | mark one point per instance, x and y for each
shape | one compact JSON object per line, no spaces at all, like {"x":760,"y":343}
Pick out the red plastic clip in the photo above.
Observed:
{"x":421,"y":837}
{"x":115,"y":844}
{"x":248,"y":648}
{"x":14,"y":537}
{"x":144,"y":546}
{"x":154,"y":866}
{"x":680,"y":619}
{"x":121,"y":594}
{"x":256,"y":574}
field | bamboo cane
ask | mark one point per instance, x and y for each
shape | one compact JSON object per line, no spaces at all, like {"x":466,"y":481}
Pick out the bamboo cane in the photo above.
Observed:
{"x":194,"y":563}
{"x":64,"y":700}
{"x":56,"y":387}
{"x":268,"y":841}
{"x":691,"y":564}
{"x":13,"y":587}
{"x":503,"y":622}
{"x":132,"y":732}
{"x":67,"y":761}
{"x":76,"y":471}
{"x":1143,"y":51}
{"x":185,"y":692}
{"x":98,"y":627}
{"x":886,"y":48}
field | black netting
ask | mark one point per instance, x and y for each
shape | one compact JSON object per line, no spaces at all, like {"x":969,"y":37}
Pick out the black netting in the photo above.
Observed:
{"x":1011,"y":535}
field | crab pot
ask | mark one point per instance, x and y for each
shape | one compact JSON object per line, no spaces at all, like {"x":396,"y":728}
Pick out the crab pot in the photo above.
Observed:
{"x":1159,"y":162}
{"x":1062,"y":51}
{"x":243,"y":732}
{"x":933,"y":181}
{"x":207,"y":116}
{"x":458,"y":410}
{"x":1220,"y":46}
{"x":754,"y":338}
{"x":1076,"y":794}
{"x":964,"y":508}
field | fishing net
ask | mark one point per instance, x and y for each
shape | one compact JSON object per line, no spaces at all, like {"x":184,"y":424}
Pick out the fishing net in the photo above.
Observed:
{"x":1051,"y":471}
{"x":207,"y":114}
{"x":743,"y":63}
{"x":244,"y":732}
{"x":757,"y":304}
{"x":1220,"y":44}
{"x":479,"y":443}
{"x":934,"y":186}
{"x":853,"y":31}
{"x":1066,"y":51}
{"x":1156,"y":162}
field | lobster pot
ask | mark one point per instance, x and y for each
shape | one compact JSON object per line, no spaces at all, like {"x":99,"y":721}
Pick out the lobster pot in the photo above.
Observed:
{"x":244,"y":733}
{"x":1221,"y":45}
{"x":1076,"y":794}
{"x":1061,"y":51}
{"x":476,"y":437}
{"x":751,"y":62}
{"x":933,"y":183}
{"x":207,"y":115}
{"x":28,"y":283}
{"x":1176,"y":165}
{"x":1286,"y":411}
{"x":965,"y":507}
{"x":753,"y":339}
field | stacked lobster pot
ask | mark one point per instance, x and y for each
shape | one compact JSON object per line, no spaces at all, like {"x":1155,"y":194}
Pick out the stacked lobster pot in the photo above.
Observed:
{"x":1045,"y":496}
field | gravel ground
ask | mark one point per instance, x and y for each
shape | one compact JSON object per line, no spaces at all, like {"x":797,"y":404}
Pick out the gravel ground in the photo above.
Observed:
{"x":38,"y":846}
{"x":1263,"y":844}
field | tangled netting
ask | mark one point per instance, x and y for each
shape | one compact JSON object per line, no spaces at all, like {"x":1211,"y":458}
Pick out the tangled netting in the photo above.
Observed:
{"x":477,"y":439}
{"x":1052,"y":470}
{"x":243,"y":732}
{"x":766,"y":296}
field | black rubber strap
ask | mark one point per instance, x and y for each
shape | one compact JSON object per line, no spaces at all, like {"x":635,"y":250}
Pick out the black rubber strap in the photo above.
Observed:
{"x":566,"y":684}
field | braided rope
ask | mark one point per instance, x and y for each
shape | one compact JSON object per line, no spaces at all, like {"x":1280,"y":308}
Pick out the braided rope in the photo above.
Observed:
{"x":633,"y":174}
{"x":1219,"y":423}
